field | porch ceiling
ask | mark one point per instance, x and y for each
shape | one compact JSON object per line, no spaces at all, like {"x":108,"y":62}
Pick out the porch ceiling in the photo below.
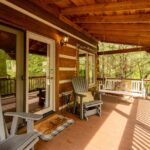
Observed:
{"x":116,"y":21}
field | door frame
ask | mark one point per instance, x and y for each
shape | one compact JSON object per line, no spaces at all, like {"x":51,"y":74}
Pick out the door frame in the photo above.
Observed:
{"x":19,"y":65}
{"x":51,"y":45}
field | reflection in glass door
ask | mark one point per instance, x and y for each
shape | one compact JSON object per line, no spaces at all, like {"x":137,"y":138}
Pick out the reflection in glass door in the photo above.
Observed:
{"x":40,"y":74}
{"x":82,"y":64}
{"x":11,"y":69}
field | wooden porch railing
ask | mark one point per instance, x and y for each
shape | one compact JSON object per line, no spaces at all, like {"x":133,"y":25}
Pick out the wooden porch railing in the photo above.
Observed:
{"x":8,"y":85}
{"x":101,"y":81}
{"x":36,"y":82}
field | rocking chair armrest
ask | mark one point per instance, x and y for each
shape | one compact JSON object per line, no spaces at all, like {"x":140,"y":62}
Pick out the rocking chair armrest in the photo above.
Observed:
{"x":80,"y":95}
{"x":27,"y":116}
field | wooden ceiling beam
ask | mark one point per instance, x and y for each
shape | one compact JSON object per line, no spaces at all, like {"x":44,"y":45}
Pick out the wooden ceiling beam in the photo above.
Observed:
{"x":75,"y":26}
{"x":131,"y":40}
{"x":136,"y":18}
{"x":120,"y":51}
{"x":118,"y":26}
{"x":82,"y":2}
{"x":38,"y":4}
{"x":121,"y":33}
{"x":124,"y":6}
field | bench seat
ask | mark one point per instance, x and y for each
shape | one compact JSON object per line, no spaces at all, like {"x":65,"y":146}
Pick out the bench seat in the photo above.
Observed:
{"x":134,"y":94}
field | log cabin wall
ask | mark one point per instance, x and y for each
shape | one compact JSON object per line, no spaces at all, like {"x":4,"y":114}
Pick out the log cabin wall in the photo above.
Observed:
{"x":66,"y":56}
{"x":67,"y":68}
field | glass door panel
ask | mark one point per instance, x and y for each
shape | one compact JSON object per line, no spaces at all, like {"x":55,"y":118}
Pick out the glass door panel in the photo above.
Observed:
{"x":11,"y":84}
{"x":91,"y":69}
{"x":82,"y":64}
{"x":38,"y":71}
{"x":40,"y":80}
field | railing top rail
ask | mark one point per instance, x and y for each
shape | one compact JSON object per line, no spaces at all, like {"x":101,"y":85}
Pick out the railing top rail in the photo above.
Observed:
{"x":7,"y":78}
{"x":13,"y":78}
{"x":146,"y":80}
{"x":37,"y":77}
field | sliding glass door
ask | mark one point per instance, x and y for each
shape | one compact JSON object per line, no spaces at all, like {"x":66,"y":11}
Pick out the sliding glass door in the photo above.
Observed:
{"x":40,"y":74}
{"x":11,"y":69}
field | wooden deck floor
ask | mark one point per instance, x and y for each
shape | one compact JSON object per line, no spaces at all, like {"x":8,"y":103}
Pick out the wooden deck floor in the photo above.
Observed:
{"x":123,"y":126}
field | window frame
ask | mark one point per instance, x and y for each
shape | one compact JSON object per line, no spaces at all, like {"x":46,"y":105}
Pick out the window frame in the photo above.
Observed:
{"x":87,"y":66}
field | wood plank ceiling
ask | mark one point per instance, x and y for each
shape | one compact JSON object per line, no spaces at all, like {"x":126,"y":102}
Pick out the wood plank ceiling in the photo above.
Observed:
{"x":116,"y":21}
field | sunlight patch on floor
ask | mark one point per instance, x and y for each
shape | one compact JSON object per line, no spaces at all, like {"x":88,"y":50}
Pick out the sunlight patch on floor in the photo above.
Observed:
{"x":107,"y":132}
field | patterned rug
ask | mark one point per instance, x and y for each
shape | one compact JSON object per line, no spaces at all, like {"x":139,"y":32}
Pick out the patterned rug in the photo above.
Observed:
{"x":51,"y":126}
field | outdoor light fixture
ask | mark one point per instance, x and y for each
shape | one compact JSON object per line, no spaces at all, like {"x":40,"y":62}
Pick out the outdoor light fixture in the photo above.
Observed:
{"x":64,"y":41}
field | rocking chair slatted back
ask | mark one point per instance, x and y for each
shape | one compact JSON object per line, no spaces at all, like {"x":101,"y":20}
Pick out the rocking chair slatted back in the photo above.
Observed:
{"x":79,"y":84}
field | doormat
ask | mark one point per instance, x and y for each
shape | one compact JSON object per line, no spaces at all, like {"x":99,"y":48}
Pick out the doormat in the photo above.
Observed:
{"x":51,"y":126}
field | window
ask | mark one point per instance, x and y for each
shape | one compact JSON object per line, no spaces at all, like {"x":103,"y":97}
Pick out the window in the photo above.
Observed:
{"x":91,"y":69}
{"x":87,"y":66}
{"x":82,"y":65}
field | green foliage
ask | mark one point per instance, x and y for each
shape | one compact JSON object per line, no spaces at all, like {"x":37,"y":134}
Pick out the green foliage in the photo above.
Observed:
{"x":11,"y":68}
{"x":6,"y":63}
{"x":134,"y":65}
{"x":82,"y":66}
{"x":37,"y":65}
{"x":111,"y":46}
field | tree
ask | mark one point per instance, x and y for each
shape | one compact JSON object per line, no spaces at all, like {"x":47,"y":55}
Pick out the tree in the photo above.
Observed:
{"x":37,"y":65}
{"x":129,"y":65}
{"x":5,"y":64}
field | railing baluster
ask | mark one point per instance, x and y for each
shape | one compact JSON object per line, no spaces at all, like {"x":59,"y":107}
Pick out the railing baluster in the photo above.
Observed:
{"x":36,"y":82}
{"x":8,"y":85}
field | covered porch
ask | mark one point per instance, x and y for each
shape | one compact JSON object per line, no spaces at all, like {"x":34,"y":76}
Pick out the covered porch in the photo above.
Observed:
{"x":45,"y":44}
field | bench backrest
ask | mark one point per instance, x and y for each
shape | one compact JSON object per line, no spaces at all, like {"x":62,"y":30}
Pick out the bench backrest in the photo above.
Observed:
{"x":111,"y":83}
{"x":137,"y":86}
